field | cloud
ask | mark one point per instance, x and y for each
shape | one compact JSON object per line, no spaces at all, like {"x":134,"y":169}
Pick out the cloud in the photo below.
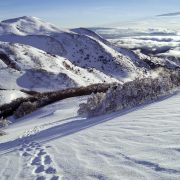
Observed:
{"x":170,"y":14}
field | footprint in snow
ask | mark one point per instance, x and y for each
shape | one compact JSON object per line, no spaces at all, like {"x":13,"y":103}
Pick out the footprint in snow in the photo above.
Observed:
{"x":40,"y":160}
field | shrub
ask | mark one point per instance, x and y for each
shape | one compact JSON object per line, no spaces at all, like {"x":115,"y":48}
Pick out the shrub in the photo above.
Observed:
{"x":25,"y":108}
{"x":37,"y":100}
{"x":3,"y":122}
{"x":131,"y":94}
{"x":92,"y":101}
{"x":2,"y":133}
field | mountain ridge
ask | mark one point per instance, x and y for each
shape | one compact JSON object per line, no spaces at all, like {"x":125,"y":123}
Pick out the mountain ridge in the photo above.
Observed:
{"x":65,"y":58}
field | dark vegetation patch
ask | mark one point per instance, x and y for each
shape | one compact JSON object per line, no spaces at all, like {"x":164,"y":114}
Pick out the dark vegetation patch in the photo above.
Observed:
{"x":32,"y":93}
{"x":2,"y":133}
{"x":37,"y":100}
{"x":9,"y":62}
{"x":152,"y":65}
{"x":166,"y":81}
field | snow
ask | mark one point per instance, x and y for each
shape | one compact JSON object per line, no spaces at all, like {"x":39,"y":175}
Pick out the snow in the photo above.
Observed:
{"x":90,"y":33}
{"x":141,"y":144}
{"x":7,"y":96}
{"x":36,"y":55}
{"x":67,"y":58}
{"x":27,"y":25}
{"x":82,"y":47}
{"x":44,"y":72}
{"x":54,"y":142}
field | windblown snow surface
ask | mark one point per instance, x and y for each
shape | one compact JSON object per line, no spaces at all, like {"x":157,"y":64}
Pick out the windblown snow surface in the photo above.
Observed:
{"x":55,"y":143}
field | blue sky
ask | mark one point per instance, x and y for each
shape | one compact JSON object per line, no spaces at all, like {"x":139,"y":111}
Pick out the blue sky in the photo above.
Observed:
{"x":84,"y":13}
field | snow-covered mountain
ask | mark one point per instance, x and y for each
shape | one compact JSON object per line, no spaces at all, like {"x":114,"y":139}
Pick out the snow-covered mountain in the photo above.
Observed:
{"x":39,"y":56}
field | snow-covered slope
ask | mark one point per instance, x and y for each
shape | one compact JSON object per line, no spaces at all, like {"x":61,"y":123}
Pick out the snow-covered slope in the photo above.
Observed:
{"x":82,"y":47}
{"x":90,"y":33}
{"x":36,"y":55}
{"x":56,"y":143}
{"x":34,"y":69}
{"x":7,"y":96}
{"x":27,"y":26}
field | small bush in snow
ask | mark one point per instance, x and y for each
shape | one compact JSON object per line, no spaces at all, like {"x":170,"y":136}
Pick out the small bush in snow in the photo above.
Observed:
{"x":92,"y":102}
{"x":3,"y":122}
{"x":25,"y":108}
{"x":2,"y":133}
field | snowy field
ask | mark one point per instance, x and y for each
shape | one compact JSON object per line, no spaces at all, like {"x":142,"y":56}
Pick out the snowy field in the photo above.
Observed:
{"x":55,"y":143}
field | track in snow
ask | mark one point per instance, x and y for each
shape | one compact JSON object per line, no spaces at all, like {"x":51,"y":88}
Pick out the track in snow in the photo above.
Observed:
{"x":37,"y":157}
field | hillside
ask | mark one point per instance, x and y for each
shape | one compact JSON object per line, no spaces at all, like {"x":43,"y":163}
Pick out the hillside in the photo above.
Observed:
{"x":36,"y":55}
{"x":82,"y":47}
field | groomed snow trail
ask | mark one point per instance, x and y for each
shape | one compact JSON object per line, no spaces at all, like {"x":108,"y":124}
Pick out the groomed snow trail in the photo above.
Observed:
{"x":55,"y":143}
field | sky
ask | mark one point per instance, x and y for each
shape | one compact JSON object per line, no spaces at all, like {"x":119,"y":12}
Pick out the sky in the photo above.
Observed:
{"x":86,"y":13}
